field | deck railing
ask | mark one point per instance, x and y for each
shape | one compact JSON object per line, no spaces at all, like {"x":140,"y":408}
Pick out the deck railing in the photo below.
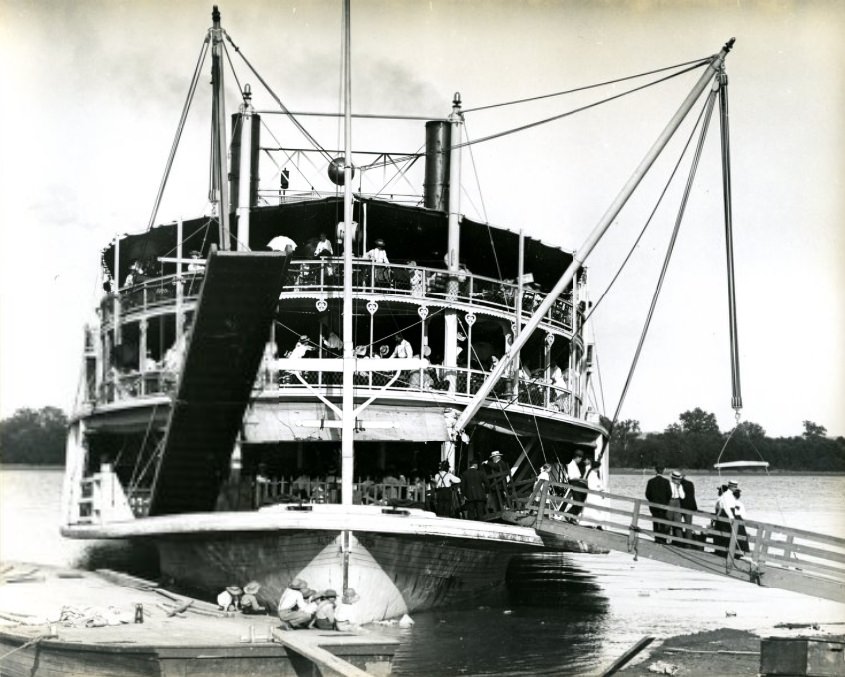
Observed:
{"x":325,"y":276}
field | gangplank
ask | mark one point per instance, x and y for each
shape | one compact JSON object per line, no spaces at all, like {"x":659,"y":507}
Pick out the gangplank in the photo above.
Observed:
{"x":766,"y":554}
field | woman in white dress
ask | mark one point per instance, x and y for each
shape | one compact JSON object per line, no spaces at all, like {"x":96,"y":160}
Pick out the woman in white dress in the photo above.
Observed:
{"x":594,"y":503}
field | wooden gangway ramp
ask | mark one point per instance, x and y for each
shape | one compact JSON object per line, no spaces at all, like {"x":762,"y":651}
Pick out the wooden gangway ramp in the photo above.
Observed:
{"x":765,"y":554}
{"x":232,"y":321}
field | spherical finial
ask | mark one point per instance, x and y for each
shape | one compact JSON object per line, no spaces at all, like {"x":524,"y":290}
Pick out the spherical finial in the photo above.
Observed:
{"x":336,"y":168}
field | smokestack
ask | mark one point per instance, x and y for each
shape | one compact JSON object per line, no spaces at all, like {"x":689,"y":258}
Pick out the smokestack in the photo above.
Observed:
{"x":436,"y":185}
{"x":235,"y":164}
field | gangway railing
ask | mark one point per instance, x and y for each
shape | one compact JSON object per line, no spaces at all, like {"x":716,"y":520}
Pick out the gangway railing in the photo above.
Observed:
{"x":769,"y":555}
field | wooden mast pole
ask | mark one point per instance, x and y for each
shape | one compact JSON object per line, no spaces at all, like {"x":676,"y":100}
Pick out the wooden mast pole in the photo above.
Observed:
{"x":347,"y":452}
{"x":220,"y":173}
{"x":581,"y":254}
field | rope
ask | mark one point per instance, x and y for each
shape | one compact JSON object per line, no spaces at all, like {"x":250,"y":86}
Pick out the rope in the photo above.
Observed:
{"x":26,"y":645}
{"x":278,"y":101}
{"x":711,"y":99}
{"x":697,"y":62}
{"x":580,"y":109}
{"x":180,"y":127}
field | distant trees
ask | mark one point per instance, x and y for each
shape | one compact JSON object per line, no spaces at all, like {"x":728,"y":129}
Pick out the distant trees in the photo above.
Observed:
{"x":694,"y":441}
{"x":34,"y":436}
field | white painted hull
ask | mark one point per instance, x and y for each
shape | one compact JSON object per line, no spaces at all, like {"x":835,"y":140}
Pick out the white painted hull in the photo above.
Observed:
{"x":398,"y":563}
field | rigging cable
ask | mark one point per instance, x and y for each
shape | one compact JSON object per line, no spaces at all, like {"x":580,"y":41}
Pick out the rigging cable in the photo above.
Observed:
{"x":711,"y":100}
{"x":650,"y":217}
{"x":580,"y":109}
{"x":695,"y":63}
{"x":181,"y":126}
{"x":278,"y":101}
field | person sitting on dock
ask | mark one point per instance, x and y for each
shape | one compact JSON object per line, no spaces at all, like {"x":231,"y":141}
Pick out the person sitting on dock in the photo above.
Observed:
{"x":291,"y":606}
{"x":249,"y":602}
{"x":324,"y":617}
{"x":658,"y":490}
{"x":344,"y":613}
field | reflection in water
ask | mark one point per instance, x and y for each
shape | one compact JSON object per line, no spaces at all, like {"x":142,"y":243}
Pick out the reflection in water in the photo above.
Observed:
{"x":550,"y":622}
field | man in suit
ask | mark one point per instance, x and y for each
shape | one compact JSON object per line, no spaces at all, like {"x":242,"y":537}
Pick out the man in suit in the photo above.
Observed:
{"x":474,"y":489}
{"x":687,"y":503}
{"x":658,"y":490}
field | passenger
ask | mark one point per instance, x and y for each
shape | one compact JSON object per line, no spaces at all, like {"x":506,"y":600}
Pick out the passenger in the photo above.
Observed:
{"x":324,"y":616}
{"x":303,"y":345}
{"x":377,"y":254}
{"x":658,"y":490}
{"x":228,"y":599}
{"x":149,"y":362}
{"x":672,"y":513}
{"x":575,"y":478}
{"x":381,"y":273}
{"x":333,"y":343}
{"x":474,"y":489}
{"x":688,"y":502}
{"x":291,"y":606}
{"x":593,"y":503}
{"x":444,"y":492}
{"x":324,"y":247}
{"x":312,"y":598}
{"x":197,"y":265}
{"x":249,"y":602}
{"x":344,"y":613}
{"x":402,"y":348}
{"x":498,"y":477}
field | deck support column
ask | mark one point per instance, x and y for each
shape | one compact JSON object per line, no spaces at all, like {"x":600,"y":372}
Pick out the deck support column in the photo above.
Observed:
{"x":453,"y":252}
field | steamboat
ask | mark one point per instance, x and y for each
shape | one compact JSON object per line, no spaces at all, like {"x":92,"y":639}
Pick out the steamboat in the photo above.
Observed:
{"x":269,"y":388}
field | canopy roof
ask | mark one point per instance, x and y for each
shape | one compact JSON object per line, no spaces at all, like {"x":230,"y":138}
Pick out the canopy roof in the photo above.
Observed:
{"x":410,"y":233}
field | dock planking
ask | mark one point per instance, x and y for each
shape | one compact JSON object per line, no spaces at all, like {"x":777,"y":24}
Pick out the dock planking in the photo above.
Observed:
{"x":193,"y":642}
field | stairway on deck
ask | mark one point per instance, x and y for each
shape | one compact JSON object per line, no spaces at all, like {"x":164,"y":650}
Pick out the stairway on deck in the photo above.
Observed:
{"x":235,"y":309}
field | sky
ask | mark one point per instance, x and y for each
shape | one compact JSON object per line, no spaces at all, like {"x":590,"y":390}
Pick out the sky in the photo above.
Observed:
{"x":92,"y":96}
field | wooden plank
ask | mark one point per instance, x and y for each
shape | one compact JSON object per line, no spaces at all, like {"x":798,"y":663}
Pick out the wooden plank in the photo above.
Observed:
{"x":319,"y":656}
{"x":627,"y":656}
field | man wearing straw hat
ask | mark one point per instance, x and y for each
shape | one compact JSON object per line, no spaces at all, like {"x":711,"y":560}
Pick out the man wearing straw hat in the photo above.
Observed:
{"x":292,"y":604}
{"x":672,"y":511}
{"x":344,"y":613}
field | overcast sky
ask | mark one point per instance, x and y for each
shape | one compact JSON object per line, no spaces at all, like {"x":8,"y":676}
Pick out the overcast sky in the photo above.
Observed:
{"x":93,"y":92}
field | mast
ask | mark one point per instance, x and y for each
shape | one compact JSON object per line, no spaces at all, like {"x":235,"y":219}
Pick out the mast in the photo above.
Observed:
{"x":348,"y":423}
{"x":736,"y":400}
{"x":581,"y":254}
{"x":347,"y":430}
{"x":219,"y":148}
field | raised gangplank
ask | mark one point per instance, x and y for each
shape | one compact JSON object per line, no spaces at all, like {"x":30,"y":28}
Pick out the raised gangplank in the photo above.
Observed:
{"x":234,"y":313}
{"x":768,"y":555}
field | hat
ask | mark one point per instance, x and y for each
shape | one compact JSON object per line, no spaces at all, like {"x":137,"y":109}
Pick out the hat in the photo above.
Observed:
{"x":733,"y":484}
{"x":298,"y":584}
{"x":350,"y":596}
{"x":329,"y":593}
{"x":308,"y":592}
{"x":234,"y":590}
{"x":379,"y":242}
{"x":676,"y":475}
{"x":304,"y":337}
{"x":252,"y":587}
{"x":495,"y":453}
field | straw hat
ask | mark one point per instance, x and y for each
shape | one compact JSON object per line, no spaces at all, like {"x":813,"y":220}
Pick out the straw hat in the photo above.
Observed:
{"x":496,"y":453}
{"x":298,"y":584}
{"x":234,"y":590}
{"x":252,"y":587}
{"x":676,"y":476}
{"x":328,"y":594}
{"x":350,"y":596}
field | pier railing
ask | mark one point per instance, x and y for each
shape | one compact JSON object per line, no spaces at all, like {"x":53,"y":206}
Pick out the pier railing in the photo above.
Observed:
{"x":752,"y":548}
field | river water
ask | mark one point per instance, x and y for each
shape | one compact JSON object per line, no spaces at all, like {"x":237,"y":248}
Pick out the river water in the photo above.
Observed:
{"x":561,"y":614}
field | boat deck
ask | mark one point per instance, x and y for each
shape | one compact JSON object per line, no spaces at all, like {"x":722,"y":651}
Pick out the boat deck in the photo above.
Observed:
{"x":199,"y":639}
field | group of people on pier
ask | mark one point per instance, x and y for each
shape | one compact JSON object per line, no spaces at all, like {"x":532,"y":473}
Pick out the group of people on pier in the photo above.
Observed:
{"x":669,"y":497}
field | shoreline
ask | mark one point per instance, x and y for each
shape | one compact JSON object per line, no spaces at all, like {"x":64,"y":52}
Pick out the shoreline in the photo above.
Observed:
{"x":723,"y":651}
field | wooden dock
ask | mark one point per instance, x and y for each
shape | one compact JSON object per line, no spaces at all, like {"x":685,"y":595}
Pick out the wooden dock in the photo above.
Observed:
{"x":179,"y":635}
{"x":768,"y":555}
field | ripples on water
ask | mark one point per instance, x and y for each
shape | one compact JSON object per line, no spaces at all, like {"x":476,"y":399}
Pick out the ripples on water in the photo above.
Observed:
{"x":562,"y":614}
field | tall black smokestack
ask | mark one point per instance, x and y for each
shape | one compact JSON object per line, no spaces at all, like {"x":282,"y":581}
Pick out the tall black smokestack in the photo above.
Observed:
{"x":436,"y":185}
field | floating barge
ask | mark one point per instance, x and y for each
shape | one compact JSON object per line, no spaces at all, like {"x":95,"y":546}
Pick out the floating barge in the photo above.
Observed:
{"x":198,"y":640}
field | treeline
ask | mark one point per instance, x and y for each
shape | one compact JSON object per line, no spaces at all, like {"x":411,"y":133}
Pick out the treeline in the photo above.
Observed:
{"x":34,"y":437}
{"x":695,"y":442}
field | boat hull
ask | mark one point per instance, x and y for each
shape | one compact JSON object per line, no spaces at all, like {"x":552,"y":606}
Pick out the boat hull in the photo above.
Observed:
{"x":398,"y":561}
